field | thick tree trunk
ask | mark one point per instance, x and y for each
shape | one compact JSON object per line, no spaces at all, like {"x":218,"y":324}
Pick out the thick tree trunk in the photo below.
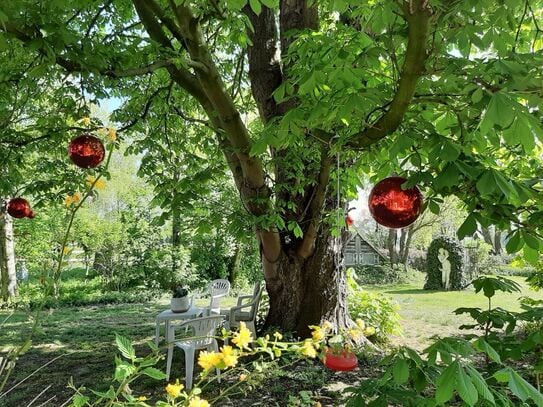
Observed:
{"x":407,"y":237}
{"x":306,"y":292}
{"x":497,"y":242}
{"x":391,"y":244}
{"x":8,"y":276}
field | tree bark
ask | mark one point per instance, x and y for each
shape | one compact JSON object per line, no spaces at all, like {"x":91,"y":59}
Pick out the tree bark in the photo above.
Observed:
{"x":308,"y":291}
{"x":233,"y":273}
{"x":391,"y":244}
{"x":8,"y":276}
{"x":497,"y":241}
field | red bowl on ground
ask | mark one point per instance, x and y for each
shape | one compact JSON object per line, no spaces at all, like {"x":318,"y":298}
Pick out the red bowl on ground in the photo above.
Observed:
{"x":343,"y":362}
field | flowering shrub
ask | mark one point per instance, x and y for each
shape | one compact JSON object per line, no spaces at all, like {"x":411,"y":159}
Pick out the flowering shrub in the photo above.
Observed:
{"x":132,"y":367}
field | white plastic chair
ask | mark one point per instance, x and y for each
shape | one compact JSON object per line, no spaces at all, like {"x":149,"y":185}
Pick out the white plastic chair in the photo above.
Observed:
{"x":217,"y":289}
{"x":246,"y":310}
{"x":201,"y":333}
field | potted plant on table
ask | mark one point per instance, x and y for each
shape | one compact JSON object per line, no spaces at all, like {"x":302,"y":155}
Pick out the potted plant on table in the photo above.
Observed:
{"x":180,"y":301}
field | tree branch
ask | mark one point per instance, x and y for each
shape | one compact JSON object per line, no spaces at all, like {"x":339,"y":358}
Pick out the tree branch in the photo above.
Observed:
{"x":264,"y":66}
{"x":418,"y":17}
{"x":305,"y":249}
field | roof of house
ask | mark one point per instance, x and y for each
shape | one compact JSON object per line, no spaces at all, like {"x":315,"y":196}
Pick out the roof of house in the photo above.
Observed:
{"x":355,"y":232}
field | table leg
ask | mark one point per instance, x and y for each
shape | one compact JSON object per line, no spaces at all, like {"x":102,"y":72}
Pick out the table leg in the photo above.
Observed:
{"x":157,"y":332}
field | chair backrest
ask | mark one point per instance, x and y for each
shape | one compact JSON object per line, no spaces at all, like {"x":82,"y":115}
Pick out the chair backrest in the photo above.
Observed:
{"x":217,"y":290}
{"x":201,"y":330}
{"x":220,"y":286}
{"x":257,"y":294}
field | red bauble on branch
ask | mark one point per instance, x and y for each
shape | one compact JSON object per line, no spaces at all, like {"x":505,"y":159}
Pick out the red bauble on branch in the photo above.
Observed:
{"x":86,"y":151}
{"x":19,"y":208}
{"x":349,"y":221}
{"x":393,"y":207}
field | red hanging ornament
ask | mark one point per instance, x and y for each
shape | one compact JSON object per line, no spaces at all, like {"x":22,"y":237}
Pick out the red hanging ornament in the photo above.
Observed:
{"x":349,"y":221}
{"x":342,"y":362}
{"x":19,"y":208}
{"x":392,"y":206}
{"x":86,"y":151}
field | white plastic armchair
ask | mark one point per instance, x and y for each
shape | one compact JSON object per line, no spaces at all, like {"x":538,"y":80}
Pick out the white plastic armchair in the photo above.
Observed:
{"x":217,"y":289}
{"x":200,"y":335}
{"x":246,"y":310}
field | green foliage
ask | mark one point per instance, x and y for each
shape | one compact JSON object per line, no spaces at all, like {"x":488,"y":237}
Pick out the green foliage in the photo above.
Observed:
{"x":450,"y":369}
{"x":385,"y":274}
{"x":433,"y":265}
{"x":377,"y":311}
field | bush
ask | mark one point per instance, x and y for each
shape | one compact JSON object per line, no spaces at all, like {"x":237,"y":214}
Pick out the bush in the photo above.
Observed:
{"x":458,"y":279}
{"x":510,"y":270}
{"x":385,"y":274}
{"x":376,"y":310}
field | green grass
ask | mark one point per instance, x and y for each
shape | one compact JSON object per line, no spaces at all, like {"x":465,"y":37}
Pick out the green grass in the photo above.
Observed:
{"x":83,"y":337}
{"x":428,"y":313}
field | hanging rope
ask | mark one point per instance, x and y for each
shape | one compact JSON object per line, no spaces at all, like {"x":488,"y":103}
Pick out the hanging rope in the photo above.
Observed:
{"x":338,"y":237}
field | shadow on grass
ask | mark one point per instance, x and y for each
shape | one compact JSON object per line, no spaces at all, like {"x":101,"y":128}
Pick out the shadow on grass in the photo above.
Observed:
{"x":411,"y":291}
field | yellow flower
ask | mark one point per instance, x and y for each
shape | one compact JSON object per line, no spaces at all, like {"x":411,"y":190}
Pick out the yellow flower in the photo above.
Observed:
{"x":242,"y":377}
{"x":327,"y":325}
{"x":142,"y":398}
{"x":355,"y":333}
{"x":242,"y":338}
{"x":100,"y":184}
{"x":318,"y":334}
{"x":360,"y":324}
{"x":174,"y":390}
{"x":229,"y":356}
{"x":65,"y":251}
{"x":308,"y":349}
{"x":198,"y":402}
{"x":208,"y":360}
{"x":278,"y":335}
{"x":71,"y":200}
{"x":86,"y":121}
{"x":111,"y":134}
{"x":369,"y":331}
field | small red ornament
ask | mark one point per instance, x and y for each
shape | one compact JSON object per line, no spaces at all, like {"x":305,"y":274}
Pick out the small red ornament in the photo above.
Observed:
{"x":19,"y":208}
{"x":392,"y":206}
{"x":86,"y":151}
{"x":343,"y":362}
{"x":349,"y":221}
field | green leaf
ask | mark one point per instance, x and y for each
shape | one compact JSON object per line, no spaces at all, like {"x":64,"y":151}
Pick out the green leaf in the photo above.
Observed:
{"x":531,"y":255}
{"x":79,"y":400}
{"x":486,"y":184}
{"x":400,"y":371}
{"x":273,"y":4}
{"x":515,"y":243}
{"x":125,"y":347}
{"x":468,"y":228}
{"x":480,"y":384}
{"x":524,"y":390}
{"x":483,"y":346}
{"x":445,"y":384}
{"x":154,"y":373}
{"x":477,"y":96}
{"x":466,"y":389}
{"x":255,"y":6}
{"x":499,"y":111}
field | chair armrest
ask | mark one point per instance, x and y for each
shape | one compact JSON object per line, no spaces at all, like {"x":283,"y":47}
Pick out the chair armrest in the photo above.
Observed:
{"x":238,"y":308}
{"x":242,"y":298}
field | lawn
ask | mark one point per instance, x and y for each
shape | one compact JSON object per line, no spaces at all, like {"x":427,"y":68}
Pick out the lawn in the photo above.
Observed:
{"x":428,"y":313}
{"x":78,"y":342}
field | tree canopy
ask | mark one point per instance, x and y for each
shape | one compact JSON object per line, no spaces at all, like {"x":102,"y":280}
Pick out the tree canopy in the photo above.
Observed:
{"x":448,"y":93}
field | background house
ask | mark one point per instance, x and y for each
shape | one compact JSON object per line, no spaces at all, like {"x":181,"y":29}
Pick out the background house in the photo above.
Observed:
{"x":360,"y":252}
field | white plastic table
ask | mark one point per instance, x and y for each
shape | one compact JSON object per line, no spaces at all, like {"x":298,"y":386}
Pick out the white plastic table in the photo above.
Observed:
{"x":167,"y":316}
